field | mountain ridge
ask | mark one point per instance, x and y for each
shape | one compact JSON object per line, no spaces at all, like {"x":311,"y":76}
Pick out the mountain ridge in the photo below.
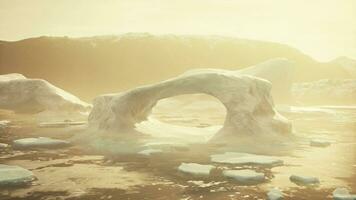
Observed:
{"x":105,"y":64}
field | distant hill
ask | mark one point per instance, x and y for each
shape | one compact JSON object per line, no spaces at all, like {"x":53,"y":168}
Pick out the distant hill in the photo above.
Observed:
{"x":91,"y":66}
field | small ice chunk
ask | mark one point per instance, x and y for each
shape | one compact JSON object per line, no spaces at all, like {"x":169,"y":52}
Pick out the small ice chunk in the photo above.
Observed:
{"x":40,"y":142}
{"x":4,"y":124}
{"x":196,"y":169}
{"x":245,"y":176}
{"x":246,"y":159}
{"x":319,"y":143}
{"x":60,"y":124}
{"x":275,"y":194}
{"x":3,"y":145}
{"x":343,"y":194}
{"x":148,"y":152}
{"x":14,"y":176}
{"x":304,"y":180}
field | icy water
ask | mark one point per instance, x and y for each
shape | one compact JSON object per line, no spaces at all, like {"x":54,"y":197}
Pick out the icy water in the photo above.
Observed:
{"x":99,"y":166}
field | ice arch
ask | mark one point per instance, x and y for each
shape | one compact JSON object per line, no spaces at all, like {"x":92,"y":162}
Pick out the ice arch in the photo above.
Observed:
{"x":249,"y":106}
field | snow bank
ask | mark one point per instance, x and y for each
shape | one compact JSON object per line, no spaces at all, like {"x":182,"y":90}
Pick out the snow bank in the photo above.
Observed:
{"x":326,"y":92}
{"x":14,"y":176}
{"x":245,"y":176}
{"x":343,"y":194}
{"x":246,"y":159}
{"x":196,"y":169}
{"x":304,"y":180}
{"x":41,"y":142}
{"x":274,"y":194}
{"x":249,"y":106}
{"x":24,"y":95}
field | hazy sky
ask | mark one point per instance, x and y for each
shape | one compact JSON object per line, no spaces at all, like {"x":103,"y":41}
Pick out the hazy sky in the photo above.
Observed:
{"x":324,"y":29}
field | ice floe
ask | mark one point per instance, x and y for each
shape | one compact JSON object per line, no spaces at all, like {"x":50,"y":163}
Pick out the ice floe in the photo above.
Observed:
{"x":4,"y":124}
{"x":60,"y":124}
{"x":148,"y":152}
{"x":245,"y":176}
{"x":343,"y":194}
{"x":275,"y":194}
{"x":14,"y":176}
{"x":246,"y":159}
{"x":196,"y":169}
{"x":319,"y":143}
{"x":3,"y":145}
{"x":304,"y":180}
{"x":40,"y":142}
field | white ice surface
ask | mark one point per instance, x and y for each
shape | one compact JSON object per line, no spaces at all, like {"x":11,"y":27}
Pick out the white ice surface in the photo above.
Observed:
{"x":245,"y":176}
{"x":22,"y":94}
{"x":275,"y":194}
{"x":196,"y":169}
{"x":319,"y":143}
{"x":148,"y":152}
{"x":304,"y":180}
{"x":249,"y":105}
{"x":14,"y":175}
{"x":343,"y":194}
{"x":3,"y":145}
{"x":40,"y":142}
{"x":246,"y":159}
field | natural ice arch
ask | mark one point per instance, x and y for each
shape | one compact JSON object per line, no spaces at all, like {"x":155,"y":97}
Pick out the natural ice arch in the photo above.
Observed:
{"x":249,"y":106}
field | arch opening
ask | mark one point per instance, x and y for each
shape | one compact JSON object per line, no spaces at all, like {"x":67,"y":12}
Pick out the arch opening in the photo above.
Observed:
{"x":187,"y":116}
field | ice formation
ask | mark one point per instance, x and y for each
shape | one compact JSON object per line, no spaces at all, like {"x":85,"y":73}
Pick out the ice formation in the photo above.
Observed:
{"x":3,"y":145}
{"x":278,"y":71}
{"x":40,"y":142}
{"x":246,"y":159}
{"x":14,"y":176}
{"x":24,"y":95}
{"x":274,"y":194}
{"x":196,"y":169}
{"x":343,"y":194}
{"x":326,"y":91}
{"x":245,"y":176}
{"x":148,"y":152}
{"x":304,"y":180}
{"x":3,"y":125}
{"x":249,"y":105}
{"x":319,"y":143}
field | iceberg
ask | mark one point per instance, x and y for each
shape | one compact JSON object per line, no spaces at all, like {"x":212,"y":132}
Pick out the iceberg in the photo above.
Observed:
{"x":24,"y":95}
{"x":14,"y":176}
{"x":249,"y":105}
